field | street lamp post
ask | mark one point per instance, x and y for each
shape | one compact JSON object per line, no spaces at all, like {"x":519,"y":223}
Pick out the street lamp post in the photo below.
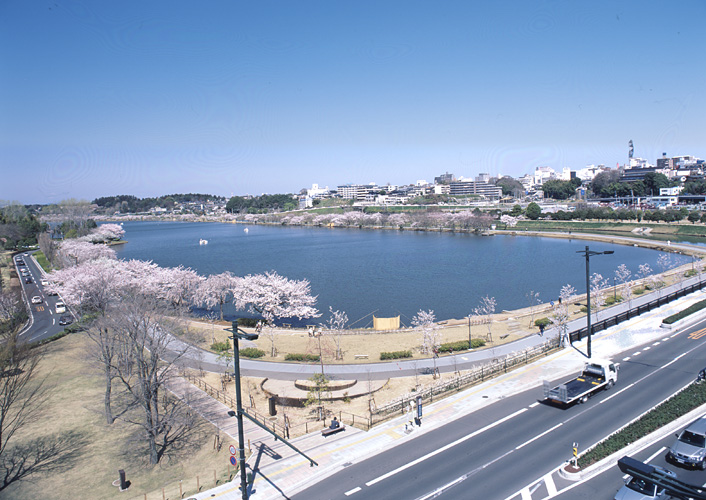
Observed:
{"x":588,"y":253}
{"x":240,"y":334}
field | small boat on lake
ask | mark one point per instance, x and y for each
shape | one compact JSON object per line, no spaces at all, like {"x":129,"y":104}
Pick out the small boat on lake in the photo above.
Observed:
{"x":203,"y":242}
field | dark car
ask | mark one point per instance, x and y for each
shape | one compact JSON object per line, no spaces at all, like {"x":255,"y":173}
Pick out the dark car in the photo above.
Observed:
{"x":65,"y":320}
{"x":28,"y":280}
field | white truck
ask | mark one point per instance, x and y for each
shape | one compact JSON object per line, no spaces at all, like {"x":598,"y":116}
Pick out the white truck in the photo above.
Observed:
{"x":597,"y":374}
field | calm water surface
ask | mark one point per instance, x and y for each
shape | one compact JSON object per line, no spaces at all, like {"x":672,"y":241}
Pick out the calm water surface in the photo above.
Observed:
{"x":384,"y":272}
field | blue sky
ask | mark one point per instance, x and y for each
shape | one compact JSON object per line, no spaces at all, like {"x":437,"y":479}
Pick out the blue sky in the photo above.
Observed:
{"x":226,"y":97}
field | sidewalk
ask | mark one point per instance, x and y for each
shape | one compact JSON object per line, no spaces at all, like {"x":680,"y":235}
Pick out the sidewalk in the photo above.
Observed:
{"x":280,"y":472}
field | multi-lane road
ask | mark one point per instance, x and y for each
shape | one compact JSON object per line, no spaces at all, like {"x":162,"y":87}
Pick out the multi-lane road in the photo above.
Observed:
{"x":512,"y":449}
{"x":44,"y":318}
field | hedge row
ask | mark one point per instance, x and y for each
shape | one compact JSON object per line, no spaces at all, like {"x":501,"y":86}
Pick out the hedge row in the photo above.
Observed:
{"x":251,"y":352}
{"x":461,"y":345}
{"x":686,"y":312}
{"x":301,"y":357}
{"x":395,"y":355}
{"x":676,"y":406}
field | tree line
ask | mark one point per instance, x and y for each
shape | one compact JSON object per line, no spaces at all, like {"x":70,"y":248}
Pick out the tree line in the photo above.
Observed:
{"x":132,"y":204}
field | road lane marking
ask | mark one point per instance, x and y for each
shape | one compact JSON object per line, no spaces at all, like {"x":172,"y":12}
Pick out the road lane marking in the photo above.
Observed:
{"x":549,"y":483}
{"x":534,"y":404}
{"x":665,"y":339}
{"x":615,"y":394}
{"x":444,"y":448}
{"x":354,"y":490}
{"x":657,"y":343}
{"x":697,"y":335}
{"x":525,"y":493}
{"x":646,"y":348}
{"x":626,"y":359}
{"x":538,"y":436}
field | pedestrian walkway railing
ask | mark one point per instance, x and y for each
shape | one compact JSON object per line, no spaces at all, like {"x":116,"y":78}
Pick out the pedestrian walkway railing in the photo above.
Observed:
{"x":616,"y":319}
{"x":474,"y":376}
{"x":221,"y":396}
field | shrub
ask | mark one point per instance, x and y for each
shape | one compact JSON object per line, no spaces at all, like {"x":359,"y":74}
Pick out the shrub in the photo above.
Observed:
{"x":293,"y":356}
{"x":542,"y":322}
{"x":638,"y":291}
{"x":395,"y":355}
{"x":686,"y":312}
{"x":220,"y":346}
{"x":461,"y":345}
{"x":252,"y":352}
{"x":584,"y":309}
{"x":676,"y":406}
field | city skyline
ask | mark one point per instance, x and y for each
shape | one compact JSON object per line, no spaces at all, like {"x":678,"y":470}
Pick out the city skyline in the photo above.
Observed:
{"x":235,"y":98}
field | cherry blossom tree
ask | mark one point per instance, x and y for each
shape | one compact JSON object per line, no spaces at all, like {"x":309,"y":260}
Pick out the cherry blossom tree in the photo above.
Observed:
{"x":274,"y":297}
{"x":647,"y":276}
{"x":560,"y":316}
{"x":425,"y":322}
{"x":73,"y":252}
{"x":598,"y":289}
{"x":334,"y":327}
{"x":664,"y":262}
{"x":90,"y":285}
{"x":485,"y":310}
{"x":216,"y":290}
{"x":622,"y":277}
{"x":180,"y":285}
{"x":508,"y":220}
{"x":533,"y":300}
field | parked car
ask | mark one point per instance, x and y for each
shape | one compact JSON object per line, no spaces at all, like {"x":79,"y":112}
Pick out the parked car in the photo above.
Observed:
{"x":690,"y":447}
{"x":60,"y":308}
{"x":28,"y":280}
{"x":641,"y":489}
{"x":44,"y":282}
{"x":65,"y":320}
{"x":36,"y":299}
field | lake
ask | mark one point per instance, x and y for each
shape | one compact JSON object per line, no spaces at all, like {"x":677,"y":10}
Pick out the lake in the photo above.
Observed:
{"x":384,"y":272}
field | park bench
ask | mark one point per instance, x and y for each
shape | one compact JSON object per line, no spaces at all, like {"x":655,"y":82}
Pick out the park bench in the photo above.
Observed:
{"x":361,"y":356}
{"x":328,"y":430}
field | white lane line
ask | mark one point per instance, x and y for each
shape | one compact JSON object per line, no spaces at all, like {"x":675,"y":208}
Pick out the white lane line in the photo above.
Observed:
{"x":665,"y":339}
{"x":525,"y":493}
{"x":636,"y":353}
{"x":444,"y":448}
{"x":615,"y":394}
{"x":549,"y":482}
{"x":656,"y":454}
{"x":354,"y":490}
{"x":646,"y":348}
{"x":657,"y":343}
{"x":626,"y":359}
{"x":538,"y":436}
{"x":534,"y":404}
{"x":674,"y":335}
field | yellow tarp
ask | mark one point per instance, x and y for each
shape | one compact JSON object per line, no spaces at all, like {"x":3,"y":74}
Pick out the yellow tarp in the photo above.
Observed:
{"x":386,"y":323}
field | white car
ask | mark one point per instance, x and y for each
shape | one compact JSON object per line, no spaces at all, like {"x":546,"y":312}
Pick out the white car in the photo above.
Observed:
{"x":36,"y":299}
{"x":44,"y":282}
{"x":60,"y":308}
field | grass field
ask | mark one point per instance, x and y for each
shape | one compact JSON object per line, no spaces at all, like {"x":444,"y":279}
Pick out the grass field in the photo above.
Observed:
{"x":75,"y":406}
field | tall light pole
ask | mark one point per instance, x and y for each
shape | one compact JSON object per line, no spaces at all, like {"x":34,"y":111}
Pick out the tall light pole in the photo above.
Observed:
{"x":588,"y":253}
{"x":240,"y":334}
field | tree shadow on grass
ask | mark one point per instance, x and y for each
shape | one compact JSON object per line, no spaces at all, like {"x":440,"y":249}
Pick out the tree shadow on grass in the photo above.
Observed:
{"x":43,"y":455}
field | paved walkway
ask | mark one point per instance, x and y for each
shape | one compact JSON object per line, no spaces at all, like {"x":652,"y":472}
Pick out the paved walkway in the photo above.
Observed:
{"x":280,"y":472}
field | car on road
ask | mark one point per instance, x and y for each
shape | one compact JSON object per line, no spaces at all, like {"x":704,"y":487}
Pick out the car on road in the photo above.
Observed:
{"x":689,"y":449}
{"x":641,"y":489}
{"x":44,"y":282}
{"x":25,"y":272}
{"x":66,"y":320}
{"x":36,"y":299}
{"x":60,"y":308}
{"x":28,"y":280}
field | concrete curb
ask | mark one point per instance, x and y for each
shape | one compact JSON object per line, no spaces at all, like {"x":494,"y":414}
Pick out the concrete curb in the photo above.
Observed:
{"x":690,"y":320}
{"x":635,"y":447}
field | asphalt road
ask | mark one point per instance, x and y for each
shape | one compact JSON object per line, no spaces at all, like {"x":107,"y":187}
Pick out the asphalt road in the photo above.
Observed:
{"x":499,"y":450}
{"x":606,"y":484}
{"x":44,"y":320}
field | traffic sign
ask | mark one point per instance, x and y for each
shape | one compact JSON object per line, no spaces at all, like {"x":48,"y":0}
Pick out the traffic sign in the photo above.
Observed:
{"x":233,"y":461}
{"x":232,"y":450}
